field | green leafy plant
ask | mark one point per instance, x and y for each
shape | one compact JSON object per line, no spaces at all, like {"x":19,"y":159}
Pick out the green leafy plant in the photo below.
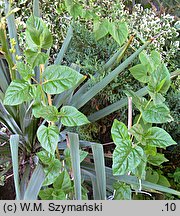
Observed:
{"x":136,"y":146}
{"x":38,"y":103}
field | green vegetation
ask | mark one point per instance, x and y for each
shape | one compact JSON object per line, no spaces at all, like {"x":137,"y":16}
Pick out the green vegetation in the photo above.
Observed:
{"x":60,"y":89}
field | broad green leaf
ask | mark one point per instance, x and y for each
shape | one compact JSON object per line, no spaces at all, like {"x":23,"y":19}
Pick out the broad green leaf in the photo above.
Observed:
{"x":58,"y":195}
{"x":102,"y":29}
{"x":88,"y":14}
{"x":52,"y":172}
{"x":137,"y":131}
{"x":147,"y":61}
{"x":140,"y":170}
{"x":159,"y":80}
{"x":155,"y":56}
{"x":18,"y":92}
{"x":70,"y":116}
{"x":157,"y":97}
{"x":84,"y":192}
{"x":119,"y":32}
{"x":151,"y":61}
{"x":126,"y":158}
{"x":176,"y":175}
{"x":39,"y":95}
{"x":63,"y":182}
{"x":119,"y":132}
{"x":67,"y":156}
{"x":141,"y":122}
{"x":157,"y":159}
{"x":50,"y":113}
{"x":158,"y":137}
{"x":73,"y":8}
{"x":46,"y":194}
{"x":152,"y":176}
{"x":163,"y":181}
{"x":35,"y":58}
{"x":140,"y":72}
{"x":139,"y":102}
{"x":157,"y":114}
{"x":150,"y":150}
{"x":83,"y":155}
{"x":59,"y":78}
{"x":122,"y":191}
{"x":52,"y":194}
{"x":48,"y":137}
{"x":45,"y":157}
{"x":24,"y":70}
{"x":36,"y":107}
{"x":37,"y":34}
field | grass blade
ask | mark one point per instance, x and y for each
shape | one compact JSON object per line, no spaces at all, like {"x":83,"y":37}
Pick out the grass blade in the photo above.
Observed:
{"x":110,"y":179}
{"x":98,"y":155}
{"x":36,"y":10}
{"x":35,"y":183}
{"x":119,"y":104}
{"x":25,"y":179}
{"x":84,"y":87}
{"x":9,"y":120}
{"x":106,"y":80}
{"x":3,"y":80}
{"x":95,"y":189}
{"x":64,"y":46}
{"x":12,"y":28}
{"x":14,"y":143}
{"x":114,"y":107}
{"x":75,"y":159}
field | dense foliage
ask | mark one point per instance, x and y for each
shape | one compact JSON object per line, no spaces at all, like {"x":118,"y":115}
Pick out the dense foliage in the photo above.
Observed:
{"x":79,"y":58}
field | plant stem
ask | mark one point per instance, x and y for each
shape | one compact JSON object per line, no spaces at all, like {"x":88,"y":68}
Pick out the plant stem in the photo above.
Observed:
{"x":141,"y":112}
{"x":50,"y":104}
{"x":129,"y":113}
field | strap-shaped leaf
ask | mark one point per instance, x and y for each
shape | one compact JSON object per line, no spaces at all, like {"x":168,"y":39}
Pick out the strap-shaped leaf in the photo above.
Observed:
{"x":70,"y":116}
{"x":35,"y":183}
{"x":59,"y":78}
{"x":48,"y":137}
{"x":158,"y":137}
{"x":18,"y":92}
{"x":119,"y":132}
{"x":126,"y":158}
